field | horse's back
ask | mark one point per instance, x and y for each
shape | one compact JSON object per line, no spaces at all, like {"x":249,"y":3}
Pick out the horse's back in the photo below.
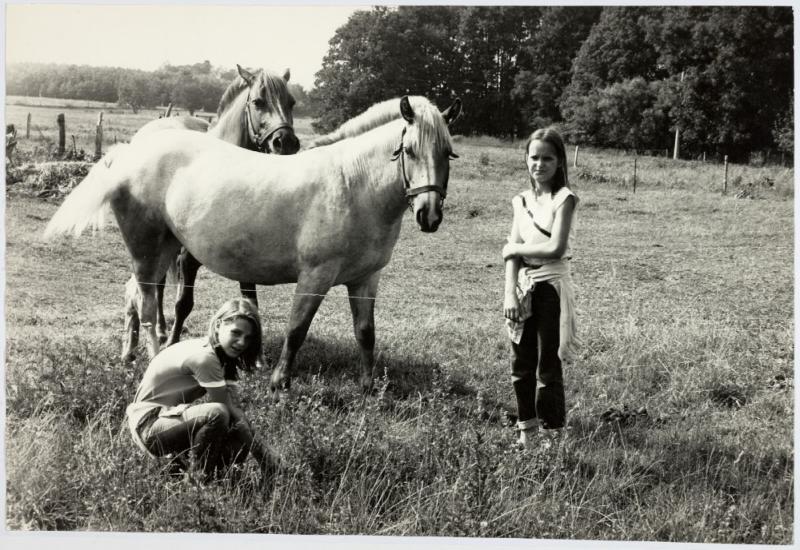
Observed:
{"x":172,"y":123}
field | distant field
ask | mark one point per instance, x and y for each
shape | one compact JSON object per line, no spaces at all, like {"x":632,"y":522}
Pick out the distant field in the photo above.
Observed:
{"x":56,"y":102}
{"x":119,"y":124}
{"x":681,"y":404}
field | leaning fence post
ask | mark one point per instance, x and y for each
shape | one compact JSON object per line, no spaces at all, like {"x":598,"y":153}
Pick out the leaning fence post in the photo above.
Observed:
{"x":28,"y":128}
{"x":725,"y":181}
{"x":575,"y":158}
{"x":98,"y":138}
{"x":62,"y":133}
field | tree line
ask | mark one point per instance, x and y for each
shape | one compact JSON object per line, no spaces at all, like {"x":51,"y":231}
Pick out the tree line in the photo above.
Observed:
{"x":196,"y":87}
{"x":622,"y":77}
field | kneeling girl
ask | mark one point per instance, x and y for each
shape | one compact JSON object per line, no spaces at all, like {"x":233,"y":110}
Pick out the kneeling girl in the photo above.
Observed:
{"x":166,"y":418}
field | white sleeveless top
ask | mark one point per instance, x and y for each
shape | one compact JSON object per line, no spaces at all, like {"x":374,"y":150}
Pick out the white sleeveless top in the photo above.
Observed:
{"x":535,"y":219}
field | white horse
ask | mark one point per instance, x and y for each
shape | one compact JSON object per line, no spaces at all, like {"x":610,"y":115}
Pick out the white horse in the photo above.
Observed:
{"x":324,"y":217}
{"x":255,"y":112}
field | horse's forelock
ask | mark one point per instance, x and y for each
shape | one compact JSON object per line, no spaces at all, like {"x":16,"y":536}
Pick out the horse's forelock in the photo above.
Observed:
{"x":274,"y":86}
{"x":277,"y":92}
{"x":432,"y":128}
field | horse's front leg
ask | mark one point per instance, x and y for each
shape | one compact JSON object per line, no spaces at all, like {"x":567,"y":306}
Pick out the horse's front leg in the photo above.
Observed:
{"x":161,"y":321}
{"x":131,"y":320}
{"x":146,"y":305}
{"x":362,"y":304}
{"x":187,"y":266}
{"x":248,"y":290}
{"x":312,"y":286}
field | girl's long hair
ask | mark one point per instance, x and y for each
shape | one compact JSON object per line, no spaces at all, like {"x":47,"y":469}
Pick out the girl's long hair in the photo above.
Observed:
{"x":238,"y":308}
{"x":550,"y":135}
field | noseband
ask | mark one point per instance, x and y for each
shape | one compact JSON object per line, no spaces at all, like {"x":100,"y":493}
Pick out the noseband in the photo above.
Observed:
{"x":412,"y":192}
{"x":260,"y":139}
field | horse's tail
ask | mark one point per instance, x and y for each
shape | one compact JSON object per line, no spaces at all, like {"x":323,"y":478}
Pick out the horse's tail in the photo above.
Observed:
{"x":85,"y":206}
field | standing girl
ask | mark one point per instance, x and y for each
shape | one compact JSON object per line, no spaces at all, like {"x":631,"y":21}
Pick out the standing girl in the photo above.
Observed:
{"x":539,"y":297}
{"x":165,"y":417}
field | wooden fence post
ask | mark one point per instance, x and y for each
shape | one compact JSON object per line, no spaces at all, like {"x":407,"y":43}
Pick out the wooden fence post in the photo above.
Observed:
{"x":62,"y":133}
{"x":575,"y":158}
{"x":634,"y":173}
{"x":98,"y":137}
{"x":725,"y":181}
{"x":28,"y":128}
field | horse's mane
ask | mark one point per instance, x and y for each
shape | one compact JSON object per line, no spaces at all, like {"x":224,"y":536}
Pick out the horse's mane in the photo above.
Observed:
{"x":432,"y":132}
{"x":377,"y":115}
{"x":274,"y":85}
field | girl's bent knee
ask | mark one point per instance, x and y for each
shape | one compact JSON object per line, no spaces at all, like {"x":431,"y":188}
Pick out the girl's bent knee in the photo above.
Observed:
{"x":218,"y":413}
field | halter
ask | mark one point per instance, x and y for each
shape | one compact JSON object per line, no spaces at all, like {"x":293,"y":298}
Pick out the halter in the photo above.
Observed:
{"x":412,"y":192}
{"x":256,"y":139}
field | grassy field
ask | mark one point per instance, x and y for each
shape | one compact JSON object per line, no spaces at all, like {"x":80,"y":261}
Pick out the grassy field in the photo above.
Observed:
{"x":680,"y":407}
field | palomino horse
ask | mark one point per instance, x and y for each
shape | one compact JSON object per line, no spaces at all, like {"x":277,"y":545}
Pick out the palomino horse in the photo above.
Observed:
{"x":255,"y":113}
{"x":326,"y":216}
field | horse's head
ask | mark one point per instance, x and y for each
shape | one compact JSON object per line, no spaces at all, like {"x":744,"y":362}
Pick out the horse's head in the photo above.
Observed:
{"x":424,"y":153}
{"x":267,"y":114}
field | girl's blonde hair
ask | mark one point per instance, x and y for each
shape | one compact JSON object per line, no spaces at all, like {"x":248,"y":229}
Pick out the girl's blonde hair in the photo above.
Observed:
{"x":550,"y":135}
{"x":239,"y":308}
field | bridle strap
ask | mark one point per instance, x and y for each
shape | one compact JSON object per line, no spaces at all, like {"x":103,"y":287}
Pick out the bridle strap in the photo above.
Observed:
{"x":411,"y":192}
{"x":256,"y":139}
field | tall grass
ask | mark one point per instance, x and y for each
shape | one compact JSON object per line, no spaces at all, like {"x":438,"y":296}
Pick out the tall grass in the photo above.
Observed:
{"x":680,"y":420}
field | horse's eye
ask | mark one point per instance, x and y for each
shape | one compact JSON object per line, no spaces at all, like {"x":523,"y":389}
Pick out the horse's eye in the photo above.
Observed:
{"x":259,"y":103}
{"x":408,"y":152}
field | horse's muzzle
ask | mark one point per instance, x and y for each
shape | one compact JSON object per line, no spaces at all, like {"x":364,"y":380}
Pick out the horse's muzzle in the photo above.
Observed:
{"x":427,"y":225}
{"x":282,"y":142}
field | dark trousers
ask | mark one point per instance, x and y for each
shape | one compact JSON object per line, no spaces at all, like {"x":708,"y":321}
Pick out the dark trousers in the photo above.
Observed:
{"x":535,"y":367}
{"x":205,"y":430}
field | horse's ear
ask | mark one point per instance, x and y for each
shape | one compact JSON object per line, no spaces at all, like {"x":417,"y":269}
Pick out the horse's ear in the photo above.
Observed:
{"x":286,"y":75}
{"x":452,"y":112}
{"x":406,"y":110}
{"x":246,"y":76}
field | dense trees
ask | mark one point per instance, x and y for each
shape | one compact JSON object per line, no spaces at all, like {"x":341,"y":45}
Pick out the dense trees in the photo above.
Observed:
{"x":617,"y":76}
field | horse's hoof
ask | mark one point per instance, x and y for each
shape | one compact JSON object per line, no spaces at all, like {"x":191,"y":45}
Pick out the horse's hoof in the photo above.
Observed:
{"x":162,"y":339}
{"x":128,"y":358}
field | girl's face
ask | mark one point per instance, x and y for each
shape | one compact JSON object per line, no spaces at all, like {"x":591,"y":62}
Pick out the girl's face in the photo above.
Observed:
{"x":234,"y":336}
{"x":542,"y":161}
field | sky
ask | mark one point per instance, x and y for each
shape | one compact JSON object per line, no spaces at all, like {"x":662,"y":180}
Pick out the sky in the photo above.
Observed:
{"x":147,"y":36}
